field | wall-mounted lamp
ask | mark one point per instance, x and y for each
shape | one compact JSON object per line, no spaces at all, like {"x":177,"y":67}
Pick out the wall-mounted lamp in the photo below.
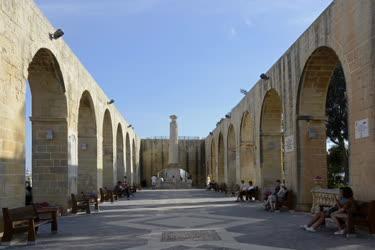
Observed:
{"x":264,"y":77}
{"x":110,"y":102}
{"x":56,"y":35}
{"x":243,"y":91}
{"x":49,"y":134}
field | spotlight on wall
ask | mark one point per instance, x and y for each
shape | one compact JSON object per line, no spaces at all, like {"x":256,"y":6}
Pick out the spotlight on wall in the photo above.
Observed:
{"x":56,"y":35}
{"x":111,"y":101}
{"x":243,"y":91}
{"x":264,"y":77}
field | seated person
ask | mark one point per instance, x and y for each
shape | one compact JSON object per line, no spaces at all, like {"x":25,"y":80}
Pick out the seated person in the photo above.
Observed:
{"x":242,"y":191}
{"x":273,"y":199}
{"x":119,"y":190}
{"x":251,"y":190}
{"x":268,"y":196}
{"x":340,"y":216}
{"x":344,"y":201}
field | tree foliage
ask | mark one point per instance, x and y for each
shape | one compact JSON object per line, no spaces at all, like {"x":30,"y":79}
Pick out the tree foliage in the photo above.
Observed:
{"x":337,"y":125}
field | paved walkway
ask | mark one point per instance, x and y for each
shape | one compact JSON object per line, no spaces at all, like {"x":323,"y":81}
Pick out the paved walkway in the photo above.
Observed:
{"x":188,"y":219}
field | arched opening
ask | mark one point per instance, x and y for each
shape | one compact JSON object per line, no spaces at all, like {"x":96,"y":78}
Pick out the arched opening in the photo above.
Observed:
{"x":49,"y":130}
{"x":221,"y":151}
{"x":231,"y":155}
{"x":246,"y":149}
{"x":128,"y":167}
{"x":322,"y":122}
{"x":87,"y":145}
{"x":134,"y":165}
{"x":120,"y":154}
{"x":213,"y":172}
{"x":271,"y":139}
{"x":108,"y":170}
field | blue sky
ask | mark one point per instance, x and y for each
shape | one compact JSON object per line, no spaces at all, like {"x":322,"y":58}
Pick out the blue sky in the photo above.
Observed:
{"x":183,"y":57}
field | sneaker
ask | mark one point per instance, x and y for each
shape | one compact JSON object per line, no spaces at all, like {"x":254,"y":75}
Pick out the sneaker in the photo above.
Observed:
{"x":340,"y":232}
{"x":310,"y":229}
{"x":303,"y":227}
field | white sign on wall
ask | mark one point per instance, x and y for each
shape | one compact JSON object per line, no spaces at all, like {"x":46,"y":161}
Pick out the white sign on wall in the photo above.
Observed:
{"x":361,"y":129}
{"x":289,"y":144}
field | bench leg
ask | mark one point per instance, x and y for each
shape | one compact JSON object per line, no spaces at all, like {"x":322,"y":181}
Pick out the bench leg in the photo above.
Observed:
{"x":31,"y":235}
{"x":88,"y":208}
{"x":7,"y":236}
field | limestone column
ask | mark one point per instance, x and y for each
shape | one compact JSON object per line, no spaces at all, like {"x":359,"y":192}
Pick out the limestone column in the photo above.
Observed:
{"x":173,"y":141}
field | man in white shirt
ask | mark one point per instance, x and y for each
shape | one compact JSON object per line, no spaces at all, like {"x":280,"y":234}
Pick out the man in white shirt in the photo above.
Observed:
{"x":242,"y":191}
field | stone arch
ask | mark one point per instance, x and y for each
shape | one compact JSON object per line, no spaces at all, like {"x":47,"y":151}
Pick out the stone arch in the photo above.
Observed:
{"x":246,"y":149}
{"x":108,"y":169}
{"x":87,"y":145}
{"x":120,"y":167}
{"x":134,"y":170}
{"x":311,"y":120}
{"x":49,"y":129}
{"x":128,"y":167}
{"x":271,"y":139}
{"x":231,"y":155}
{"x":221,"y":151}
{"x":213,"y":170}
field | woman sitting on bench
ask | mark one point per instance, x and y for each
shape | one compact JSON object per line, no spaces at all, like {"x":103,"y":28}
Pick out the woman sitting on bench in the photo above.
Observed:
{"x":342,"y":204}
{"x":270,"y":203}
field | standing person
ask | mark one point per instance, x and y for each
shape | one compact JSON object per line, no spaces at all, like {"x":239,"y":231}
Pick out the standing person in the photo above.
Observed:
{"x":29,"y":194}
{"x":125,"y":186}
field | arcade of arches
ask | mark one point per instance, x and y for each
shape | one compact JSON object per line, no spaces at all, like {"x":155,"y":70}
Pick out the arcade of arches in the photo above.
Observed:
{"x":81,"y":142}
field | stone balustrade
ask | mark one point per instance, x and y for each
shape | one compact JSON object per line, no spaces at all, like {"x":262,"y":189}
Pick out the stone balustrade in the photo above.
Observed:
{"x":323,"y":197}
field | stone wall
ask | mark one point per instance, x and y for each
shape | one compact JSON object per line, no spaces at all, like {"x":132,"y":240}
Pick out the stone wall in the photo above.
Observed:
{"x":68,"y":108}
{"x":154,"y":158}
{"x":294,"y":150}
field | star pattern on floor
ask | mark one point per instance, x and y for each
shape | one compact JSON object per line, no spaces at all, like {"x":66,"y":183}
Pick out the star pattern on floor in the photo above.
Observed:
{"x":181,"y":222}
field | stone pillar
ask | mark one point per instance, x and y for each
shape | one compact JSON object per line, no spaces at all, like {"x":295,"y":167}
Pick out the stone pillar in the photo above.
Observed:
{"x":173,"y":141}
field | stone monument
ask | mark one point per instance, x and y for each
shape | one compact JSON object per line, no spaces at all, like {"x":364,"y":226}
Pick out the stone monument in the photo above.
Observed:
{"x":172,"y":175}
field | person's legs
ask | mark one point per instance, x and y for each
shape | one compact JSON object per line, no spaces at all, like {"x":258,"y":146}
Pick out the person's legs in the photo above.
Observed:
{"x":314,"y":219}
{"x":338,"y":217}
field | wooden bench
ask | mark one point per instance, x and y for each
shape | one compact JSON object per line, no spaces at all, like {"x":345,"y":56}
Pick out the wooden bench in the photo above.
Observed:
{"x":361,"y":214}
{"x":107,"y":195}
{"x":287,"y":202}
{"x":83,"y":202}
{"x":26,"y":219}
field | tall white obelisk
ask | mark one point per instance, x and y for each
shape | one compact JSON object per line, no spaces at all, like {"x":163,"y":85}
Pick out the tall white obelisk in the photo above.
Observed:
{"x":173,"y":142}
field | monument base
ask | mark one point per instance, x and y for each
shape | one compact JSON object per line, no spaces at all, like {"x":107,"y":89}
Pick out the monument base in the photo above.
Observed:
{"x":174,"y":177}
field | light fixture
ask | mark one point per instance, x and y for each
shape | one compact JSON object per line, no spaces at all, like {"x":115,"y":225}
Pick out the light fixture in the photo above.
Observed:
{"x":56,"y":35}
{"x":110,"y":102}
{"x":211,"y":133}
{"x":228,"y":116}
{"x":130,"y":126}
{"x":243,"y":91}
{"x":264,"y":77}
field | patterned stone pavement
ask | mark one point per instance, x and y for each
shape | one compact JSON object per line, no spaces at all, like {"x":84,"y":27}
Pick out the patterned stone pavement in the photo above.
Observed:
{"x":188,"y":219}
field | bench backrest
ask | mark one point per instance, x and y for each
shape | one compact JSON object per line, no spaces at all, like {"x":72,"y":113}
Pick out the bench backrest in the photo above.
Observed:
{"x":19,"y":213}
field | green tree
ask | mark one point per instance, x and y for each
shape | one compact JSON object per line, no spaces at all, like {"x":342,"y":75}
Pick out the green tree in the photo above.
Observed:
{"x":337,"y":125}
